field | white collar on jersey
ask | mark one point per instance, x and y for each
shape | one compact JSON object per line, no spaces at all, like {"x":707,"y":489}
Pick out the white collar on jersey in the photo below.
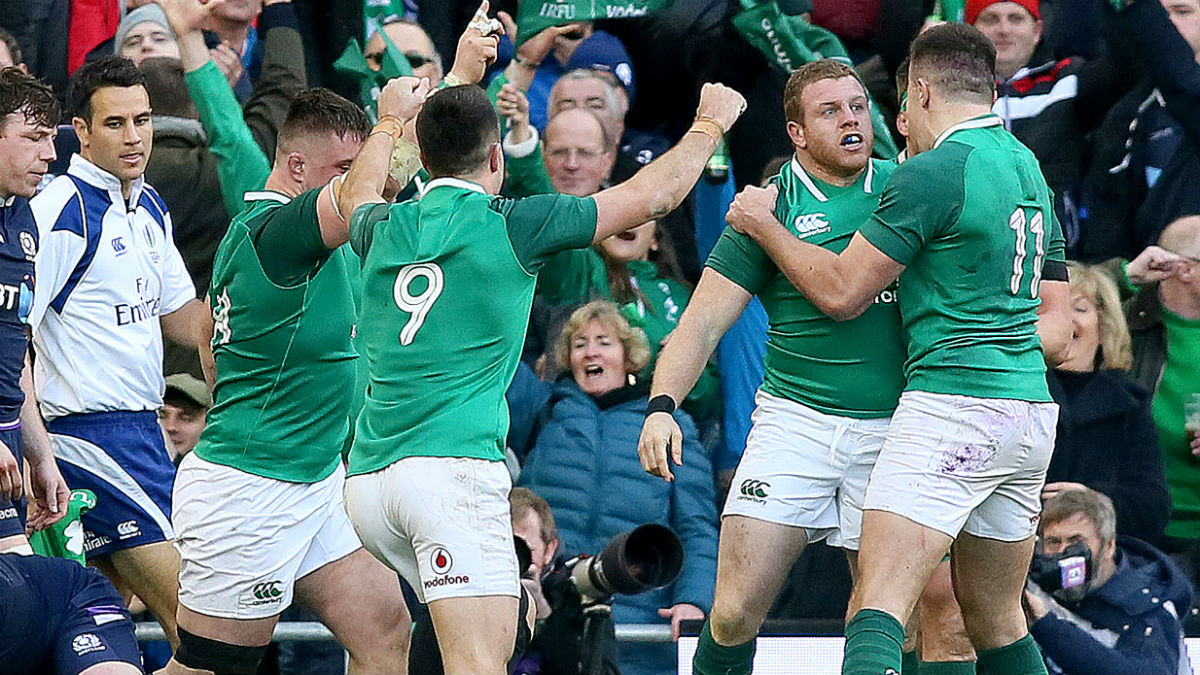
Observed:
{"x":452,"y":182}
{"x":9,"y":202}
{"x":815,"y":191}
{"x":97,"y":177}
{"x":260,"y":195}
{"x":981,"y":122}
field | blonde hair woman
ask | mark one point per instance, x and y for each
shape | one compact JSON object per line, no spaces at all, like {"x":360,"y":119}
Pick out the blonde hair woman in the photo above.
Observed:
{"x":1106,"y":436}
{"x":584,"y":462}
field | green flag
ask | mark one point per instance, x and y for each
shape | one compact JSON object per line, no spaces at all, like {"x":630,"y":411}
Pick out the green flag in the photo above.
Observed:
{"x":950,"y":10}
{"x":534,"y":16}
{"x":789,"y":42}
{"x":64,"y":539}
{"x":352,"y":63}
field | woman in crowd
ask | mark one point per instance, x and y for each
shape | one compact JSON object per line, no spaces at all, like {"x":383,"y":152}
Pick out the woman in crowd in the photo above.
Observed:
{"x":584,"y":462}
{"x":1106,"y":438}
{"x":638,"y":271}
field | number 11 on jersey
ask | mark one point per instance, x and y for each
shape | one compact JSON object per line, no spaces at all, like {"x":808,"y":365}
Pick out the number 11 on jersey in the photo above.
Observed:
{"x":419,"y":304}
{"x":1036,"y":224}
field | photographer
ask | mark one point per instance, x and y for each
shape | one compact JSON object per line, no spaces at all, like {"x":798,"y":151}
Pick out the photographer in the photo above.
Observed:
{"x":1098,"y":603}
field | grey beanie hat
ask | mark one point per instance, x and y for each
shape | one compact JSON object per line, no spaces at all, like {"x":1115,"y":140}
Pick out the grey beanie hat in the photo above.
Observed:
{"x":151,"y":12}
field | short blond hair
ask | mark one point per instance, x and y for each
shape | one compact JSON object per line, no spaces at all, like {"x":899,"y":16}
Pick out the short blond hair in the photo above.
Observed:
{"x":637,"y":351}
{"x":1116,"y":347}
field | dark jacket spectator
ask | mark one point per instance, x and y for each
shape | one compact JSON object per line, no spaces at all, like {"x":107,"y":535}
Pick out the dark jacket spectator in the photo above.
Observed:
{"x":1146,"y":163}
{"x":584,"y":462}
{"x":1106,"y":436}
{"x":1128,"y":625}
{"x":1107,"y":441}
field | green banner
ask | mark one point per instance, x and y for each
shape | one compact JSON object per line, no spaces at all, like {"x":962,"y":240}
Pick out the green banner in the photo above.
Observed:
{"x":353,"y":64}
{"x":64,"y":539}
{"x":534,"y":16}
{"x":790,"y":42}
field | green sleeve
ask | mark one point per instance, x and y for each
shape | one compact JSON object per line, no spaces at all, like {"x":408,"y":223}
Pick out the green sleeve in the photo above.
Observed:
{"x":288,"y":240}
{"x":542,"y":225}
{"x":740,"y":259}
{"x":567,"y":277}
{"x":362,"y":226}
{"x":241,"y":164}
{"x":527,"y":176}
{"x":923,"y":196}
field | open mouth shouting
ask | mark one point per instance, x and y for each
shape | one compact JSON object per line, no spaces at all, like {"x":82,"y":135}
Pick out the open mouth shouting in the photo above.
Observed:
{"x":852,"y":141}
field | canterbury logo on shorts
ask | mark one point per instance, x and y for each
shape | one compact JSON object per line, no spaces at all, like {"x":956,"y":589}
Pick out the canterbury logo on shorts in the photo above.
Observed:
{"x":753,"y":490}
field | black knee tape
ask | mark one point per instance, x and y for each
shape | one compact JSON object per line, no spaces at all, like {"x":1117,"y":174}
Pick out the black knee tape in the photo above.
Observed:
{"x":221,"y":658}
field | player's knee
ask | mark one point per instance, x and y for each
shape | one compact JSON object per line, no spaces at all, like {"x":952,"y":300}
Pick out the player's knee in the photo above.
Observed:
{"x":222,"y":658}
{"x":389,"y":636}
{"x":731,"y":625}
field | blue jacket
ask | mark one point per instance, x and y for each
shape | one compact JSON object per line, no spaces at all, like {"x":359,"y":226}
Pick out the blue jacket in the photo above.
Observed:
{"x":1136,"y":612}
{"x":584,"y":462}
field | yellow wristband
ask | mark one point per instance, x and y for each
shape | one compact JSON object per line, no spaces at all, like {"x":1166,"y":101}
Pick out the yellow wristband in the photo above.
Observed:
{"x":709,"y":127}
{"x":452,"y":80}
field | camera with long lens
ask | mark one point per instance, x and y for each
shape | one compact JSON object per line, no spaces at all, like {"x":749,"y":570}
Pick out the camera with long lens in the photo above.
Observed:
{"x":1064,"y":575}
{"x":579,"y":636}
{"x":642,"y":559}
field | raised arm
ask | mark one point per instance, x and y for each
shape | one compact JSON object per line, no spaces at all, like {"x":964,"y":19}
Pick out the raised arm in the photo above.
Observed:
{"x":364,"y":183}
{"x":658,"y":188}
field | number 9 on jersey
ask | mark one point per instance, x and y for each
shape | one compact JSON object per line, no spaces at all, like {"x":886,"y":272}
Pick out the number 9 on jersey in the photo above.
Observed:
{"x":416,"y":304}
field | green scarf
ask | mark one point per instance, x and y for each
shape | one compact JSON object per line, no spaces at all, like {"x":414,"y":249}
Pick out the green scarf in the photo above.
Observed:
{"x":788,"y":41}
{"x":534,"y":16}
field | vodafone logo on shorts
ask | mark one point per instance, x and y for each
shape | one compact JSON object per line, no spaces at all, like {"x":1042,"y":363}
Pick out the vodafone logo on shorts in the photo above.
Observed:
{"x":441,"y":562}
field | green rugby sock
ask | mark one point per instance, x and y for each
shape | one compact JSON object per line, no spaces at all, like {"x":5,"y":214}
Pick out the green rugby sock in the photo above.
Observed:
{"x":716,"y":659}
{"x":1019,"y":658}
{"x":947,"y":668}
{"x":909,"y":663}
{"x":874,"y":640}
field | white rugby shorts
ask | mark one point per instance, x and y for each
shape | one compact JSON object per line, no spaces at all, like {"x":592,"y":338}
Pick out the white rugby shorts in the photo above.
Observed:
{"x":964,"y":464}
{"x":806,"y":469}
{"x":443,"y":523}
{"x":244,"y":539}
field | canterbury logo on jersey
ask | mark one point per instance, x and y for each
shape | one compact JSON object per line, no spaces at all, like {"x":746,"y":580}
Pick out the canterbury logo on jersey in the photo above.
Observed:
{"x":808,"y":224}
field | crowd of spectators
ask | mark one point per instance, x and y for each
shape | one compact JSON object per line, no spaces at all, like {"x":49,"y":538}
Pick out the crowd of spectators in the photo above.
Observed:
{"x":1105,"y":92}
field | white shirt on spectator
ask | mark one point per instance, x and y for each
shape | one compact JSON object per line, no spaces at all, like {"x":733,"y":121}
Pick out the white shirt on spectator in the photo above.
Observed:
{"x":105,"y":273}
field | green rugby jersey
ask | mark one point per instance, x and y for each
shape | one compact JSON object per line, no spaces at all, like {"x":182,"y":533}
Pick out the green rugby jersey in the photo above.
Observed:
{"x":848,"y":368}
{"x":972,"y":219}
{"x":283,"y":315}
{"x":448,"y":282}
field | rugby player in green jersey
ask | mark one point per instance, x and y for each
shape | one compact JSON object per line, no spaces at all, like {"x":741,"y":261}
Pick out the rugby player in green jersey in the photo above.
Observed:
{"x":967,"y":227}
{"x":829,"y":388}
{"x":448,"y":279}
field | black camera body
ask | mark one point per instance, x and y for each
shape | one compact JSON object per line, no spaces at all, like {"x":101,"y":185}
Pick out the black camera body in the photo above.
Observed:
{"x":579,"y":636}
{"x":1065,"y":575}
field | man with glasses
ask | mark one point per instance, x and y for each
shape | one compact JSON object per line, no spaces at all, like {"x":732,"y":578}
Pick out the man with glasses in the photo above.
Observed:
{"x":413,"y":42}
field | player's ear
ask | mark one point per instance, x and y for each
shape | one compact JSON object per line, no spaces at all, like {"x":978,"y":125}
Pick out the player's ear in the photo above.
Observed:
{"x":796,"y":133}
{"x":295,"y":167}
{"x":924,"y":93}
{"x":495,"y":158}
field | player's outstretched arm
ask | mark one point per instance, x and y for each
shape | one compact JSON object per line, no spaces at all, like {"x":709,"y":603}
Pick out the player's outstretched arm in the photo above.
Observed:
{"x":384,"y":154}
{"x":659,"y":187}
{"x":842,"y":286}
{"x":715,"y":305}
{"x":1054,"y":320}
{"x":48,"y":491}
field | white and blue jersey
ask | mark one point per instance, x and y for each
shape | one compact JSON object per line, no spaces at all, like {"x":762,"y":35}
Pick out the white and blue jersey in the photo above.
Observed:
{"x":18,"y":244}
{"x":107,"y":269}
